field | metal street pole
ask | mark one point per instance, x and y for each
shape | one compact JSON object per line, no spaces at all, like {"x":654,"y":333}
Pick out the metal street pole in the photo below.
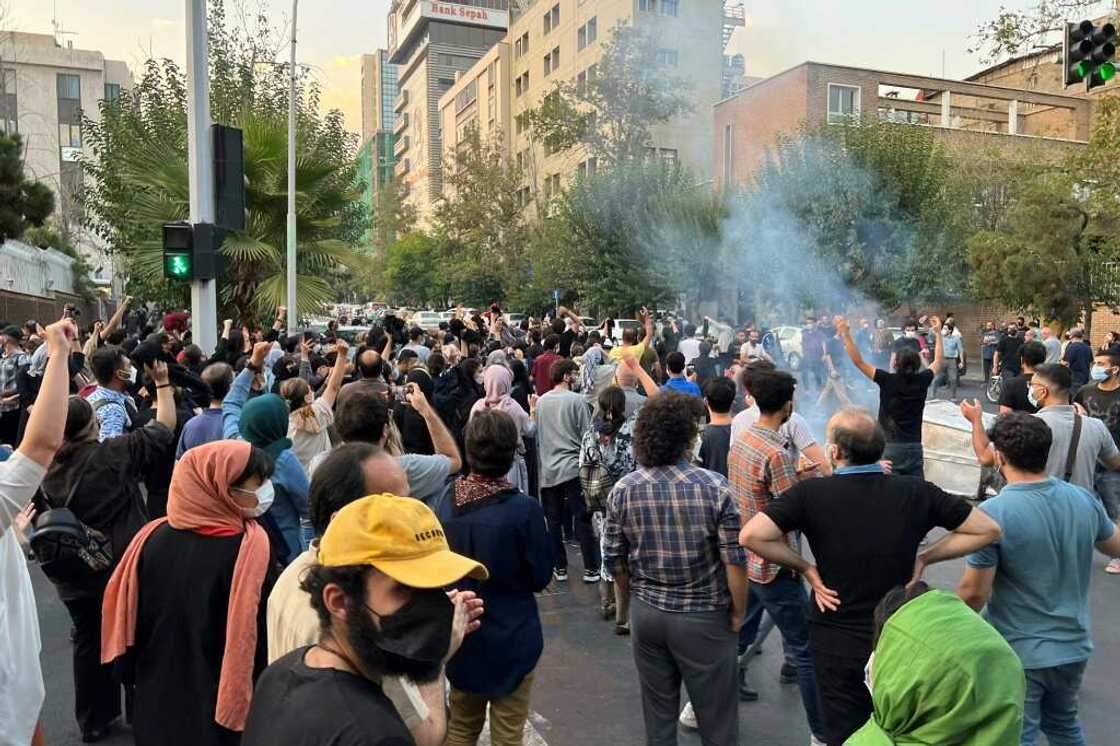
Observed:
{"x":293,"y":310}
{"x":200,"y":168}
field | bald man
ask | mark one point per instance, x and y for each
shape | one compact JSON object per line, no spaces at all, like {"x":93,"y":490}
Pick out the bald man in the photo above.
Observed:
{"x":864,"y":527}
{"x":628,"y":381}
{"x":370,"y":367}
{"x":350,"y":472}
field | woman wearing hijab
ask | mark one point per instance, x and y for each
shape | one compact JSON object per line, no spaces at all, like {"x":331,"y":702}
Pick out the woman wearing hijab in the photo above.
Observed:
{"x":263,"y":422}
{"x":414,"y":430}
{"x":498,"y":382}
{"x":184,"y":612}
{"x":941,"y":675}
{"x":522,"y":386}
{"x":489,"y":520}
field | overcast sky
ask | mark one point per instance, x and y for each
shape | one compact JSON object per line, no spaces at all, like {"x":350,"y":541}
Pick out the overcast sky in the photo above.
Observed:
{"x":899,"y":35}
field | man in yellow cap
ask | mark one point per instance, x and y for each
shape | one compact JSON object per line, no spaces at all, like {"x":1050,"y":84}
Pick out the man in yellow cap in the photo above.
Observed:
{"x":379,"y":592}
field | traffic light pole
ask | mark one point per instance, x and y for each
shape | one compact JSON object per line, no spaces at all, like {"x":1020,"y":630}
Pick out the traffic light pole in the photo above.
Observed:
{"x":290,"y":263}
{"x":200,"y":167}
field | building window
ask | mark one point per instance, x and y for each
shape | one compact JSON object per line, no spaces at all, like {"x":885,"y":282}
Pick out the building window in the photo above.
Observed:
{"x":9,"y":105}
{"x":668,"y":156}
{"x":587,"y":34}
{"x":521,"y":85}
{"x":69,"y":88}
{"x":727,"y":154}
{"x":667,"y":57}
{"x":112,"y":92}
{"x":587,"y":169}
{"x":843,"y":103}
{"x":670,"y":7}
{"x":491,"y":110}
{"x":552,"y":19}
{"x":551,"y":186}
{"x":552,"y":62}
{"x":649,"y":6}
{"x":521,"y":46}
{"x":490,"y":74}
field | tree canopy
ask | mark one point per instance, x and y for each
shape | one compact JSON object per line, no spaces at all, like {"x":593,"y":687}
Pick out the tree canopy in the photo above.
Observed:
{"x":23,"y":203}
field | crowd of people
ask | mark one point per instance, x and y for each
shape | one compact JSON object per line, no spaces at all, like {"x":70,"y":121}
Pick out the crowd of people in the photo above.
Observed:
{"x":295,"y":539}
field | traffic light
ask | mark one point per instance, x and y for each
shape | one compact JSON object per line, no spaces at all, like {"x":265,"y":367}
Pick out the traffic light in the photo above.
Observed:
{"x":1087,"y":54}
{"x":178,"y":251}
{"x":229,"y":177}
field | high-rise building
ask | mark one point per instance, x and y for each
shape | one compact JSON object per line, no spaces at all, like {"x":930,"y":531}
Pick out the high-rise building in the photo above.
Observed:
{"x":379,"y":90}
{"x":45,"y":90}
{"x":432,"y":43}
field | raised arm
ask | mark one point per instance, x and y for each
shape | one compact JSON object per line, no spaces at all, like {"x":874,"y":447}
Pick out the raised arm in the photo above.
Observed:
{"x":981,"y":446}
{"x":845,"y":331}
{"x":577,"y":322}
{"x":45,"y":426}
{"x":938,"y":346}
{"x":338,"y":372}
{"x":165,"y":394}
{"x":443,"y":442}
{"x":239,"y":392}
{"x":648,"y":384}
{"x":117,"y":317}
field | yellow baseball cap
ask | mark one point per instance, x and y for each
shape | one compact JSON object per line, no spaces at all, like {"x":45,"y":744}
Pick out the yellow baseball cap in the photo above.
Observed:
{"x":401,"y":537}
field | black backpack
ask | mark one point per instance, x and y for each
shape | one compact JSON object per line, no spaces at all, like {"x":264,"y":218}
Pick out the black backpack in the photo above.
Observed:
{"x":68,"y":550}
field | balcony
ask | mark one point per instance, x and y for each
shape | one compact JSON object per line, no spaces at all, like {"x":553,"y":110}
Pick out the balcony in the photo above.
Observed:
{"x":400,"y":101}
{"x":402,"y":124}
{"x":401,"y":146}
{"x":403,"y":167}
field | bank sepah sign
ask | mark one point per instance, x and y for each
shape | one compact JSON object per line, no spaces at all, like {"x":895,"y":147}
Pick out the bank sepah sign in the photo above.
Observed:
{"x":472,"y":14}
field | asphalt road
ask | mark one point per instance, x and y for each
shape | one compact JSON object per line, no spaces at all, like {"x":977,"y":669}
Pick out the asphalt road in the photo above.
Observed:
{"x":586,"y":689}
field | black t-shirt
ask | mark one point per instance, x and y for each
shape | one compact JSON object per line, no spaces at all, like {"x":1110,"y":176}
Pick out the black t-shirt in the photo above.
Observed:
{"x":1008,"y":349}
{"x":1104,"y":405}
{"x":715,"y":444}
{"x":901,"y":403}
{"x":296,"y":705}
{"x":566,"y":340}
{"x":864,"y":530}
{"x":1015,"y":394}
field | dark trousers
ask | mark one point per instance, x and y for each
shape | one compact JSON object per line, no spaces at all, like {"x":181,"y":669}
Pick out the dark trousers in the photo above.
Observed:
{"x":553,"y":500}
{"x":697,"y":648}
{"x":9,"y":428}
{"x":987,"y":370}
{"x":784,"y":598}
{"x":907,"y":459}
{"x":97,"y":693}
{"x":845,"y":701}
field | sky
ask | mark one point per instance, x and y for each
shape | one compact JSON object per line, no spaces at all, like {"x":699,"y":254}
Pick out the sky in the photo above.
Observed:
{"x":898,"y":35}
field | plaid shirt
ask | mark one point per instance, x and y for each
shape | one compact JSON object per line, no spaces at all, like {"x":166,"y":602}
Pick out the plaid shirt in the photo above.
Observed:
{"x":673,"y":528}
{"x":9,"y":370}
{"x":762,"y":465}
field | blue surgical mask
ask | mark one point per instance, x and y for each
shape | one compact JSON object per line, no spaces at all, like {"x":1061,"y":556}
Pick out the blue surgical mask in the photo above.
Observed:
{"x":1098,"y":373}
{"x":266,"y":493}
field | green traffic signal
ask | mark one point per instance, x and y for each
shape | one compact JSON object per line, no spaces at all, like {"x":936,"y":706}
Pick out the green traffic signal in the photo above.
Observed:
{"x":1107,"y":71}
{"x":177,"y":266}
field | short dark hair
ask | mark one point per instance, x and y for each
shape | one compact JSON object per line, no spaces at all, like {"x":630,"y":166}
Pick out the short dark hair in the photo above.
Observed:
{"x":1033,"y":354}
{"x":858,"y":436}
{"x":350,"y":578}
{"x":558,"y":326}
{"x":362,"y":415}
{"x":406,"y":355}
{"x":1111,"y":353}
{"x":895,"y":599}
{"x":594,"y":337}
{"x":415,"y":333}
{"x":666,"y":429}
{"x":259,"y":465}
{"x":751,"y":368}
{"x":219,"y":377}
{"x":192,"y":354}
{"x":771,"y":389}
{"x":1023,"y":439}
{"x":1058,"y":378}
{"x":105,"y":362}
{"x":490,"y":440}
{"x":561,"y":368}
{"x":551,"y":342}
{"x":436,"y":364}
{"x":338,"y":481}
{"x":720,"y":393}
{"x":907,"y":361}
{"x":674,"y":361}
{"x":78,"y":414}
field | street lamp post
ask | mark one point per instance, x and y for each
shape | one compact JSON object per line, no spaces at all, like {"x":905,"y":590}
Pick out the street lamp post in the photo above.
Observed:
{"x":200,"y":168}
{"x":293,"y":310}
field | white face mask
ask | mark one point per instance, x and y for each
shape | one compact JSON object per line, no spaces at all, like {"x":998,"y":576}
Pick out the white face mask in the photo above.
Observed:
{"x":265,"y":495}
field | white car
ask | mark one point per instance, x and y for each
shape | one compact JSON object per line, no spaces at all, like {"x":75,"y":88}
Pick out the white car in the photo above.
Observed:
{"x":428,"y":320}
{"x":790,"y":337}
{"x":514,"y":319}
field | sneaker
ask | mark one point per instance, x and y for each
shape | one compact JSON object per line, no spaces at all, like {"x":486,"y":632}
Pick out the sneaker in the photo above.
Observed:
{"x":1113,"y":567}
{"x":591,"y":576}
{"x":746,"y":693}
{"x":622,"y":630}
{"x":561,"y":575}
{"x":814,"y":741}
{"x":688,"y":718}
{"x":788,"y":674}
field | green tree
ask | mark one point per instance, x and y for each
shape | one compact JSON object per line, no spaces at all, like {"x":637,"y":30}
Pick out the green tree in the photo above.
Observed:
{"x":23,"y":203}
{"x":138,"y":173}
{"x":480,"y":223}
{"x":612,"y":112}
{"x":393,"y":216}
{"x":412,"y":270}
{"x":1049,"y":257}
{"x":1036,"y":27}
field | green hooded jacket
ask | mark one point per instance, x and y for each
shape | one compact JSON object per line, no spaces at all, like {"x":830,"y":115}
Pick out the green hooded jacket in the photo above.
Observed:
{"x":943,"y":676}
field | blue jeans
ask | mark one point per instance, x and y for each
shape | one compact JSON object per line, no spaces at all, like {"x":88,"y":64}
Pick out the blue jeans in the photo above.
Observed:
{"x":786,"y":601}
{"x":1108,"y":488}
{"x":1051,"y":705}
{"x":907,"y":459}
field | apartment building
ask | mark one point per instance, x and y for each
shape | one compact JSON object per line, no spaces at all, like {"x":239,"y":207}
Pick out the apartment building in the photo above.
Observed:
{"x":964,"y":114}
{"x":45,"y":89}
{"x":432,"y":43}
{"x":376,"y":160}
{"x":479,"y":100}
{"x":554,"y":41}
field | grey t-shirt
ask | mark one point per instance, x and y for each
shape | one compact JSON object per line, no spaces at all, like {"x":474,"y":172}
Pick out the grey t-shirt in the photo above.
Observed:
{"x":562,"y":418}
{"x":1095,"y":444}
{"x":427,"y":475}
{"x":1053,"y":347}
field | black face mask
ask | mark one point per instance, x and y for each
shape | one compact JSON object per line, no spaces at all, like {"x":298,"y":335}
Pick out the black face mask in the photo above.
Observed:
{"x":411,"y":642}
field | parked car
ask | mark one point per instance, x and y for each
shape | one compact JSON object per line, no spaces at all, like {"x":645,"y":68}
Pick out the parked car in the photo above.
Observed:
{"x":588,"y":322}
{"x":515,"y":319}
{"x":428,"y":320}
{"x":621,"y":325}
{"x":790,"y":338}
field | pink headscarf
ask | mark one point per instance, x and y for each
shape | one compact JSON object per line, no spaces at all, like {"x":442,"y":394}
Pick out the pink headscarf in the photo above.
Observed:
{"x":498,"y":382}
